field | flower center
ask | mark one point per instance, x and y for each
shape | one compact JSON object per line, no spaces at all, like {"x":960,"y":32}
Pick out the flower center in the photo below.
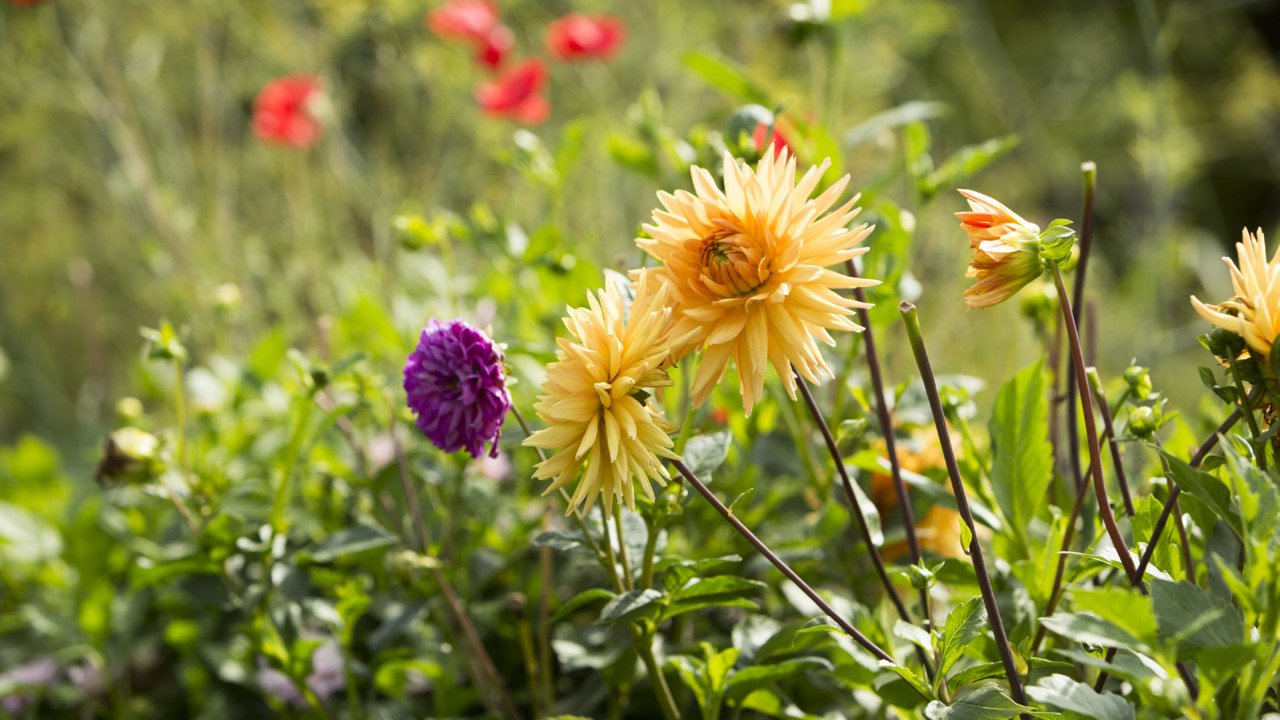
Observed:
{"x":732,"y":265}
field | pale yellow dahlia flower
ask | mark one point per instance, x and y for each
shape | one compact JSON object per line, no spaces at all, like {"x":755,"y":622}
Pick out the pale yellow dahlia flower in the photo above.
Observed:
{"x":1006,"y":251}
{"x":595,"y":398}
{"x":1254,"y":312}
{"x":747,"y":270}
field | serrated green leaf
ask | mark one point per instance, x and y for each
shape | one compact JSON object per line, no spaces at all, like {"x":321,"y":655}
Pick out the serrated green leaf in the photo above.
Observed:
{"x":914,"y":634}
{"x":906,"y":673}
{"x":631,"y":606}
{"x":966,"y":622}
{"x":985,"y":671}
{"x":1127,"y":609}
{"x":985,"y":702}
{"x":752,"y":678}
{"x":1062,"y":692}
{"x":1194,"y":617}
{"x":1092,"y":629}
{"x":1022,"y":458}
{"x":578,"y":601}
{"x":704,"y":453}
{"x":1207,"y":488}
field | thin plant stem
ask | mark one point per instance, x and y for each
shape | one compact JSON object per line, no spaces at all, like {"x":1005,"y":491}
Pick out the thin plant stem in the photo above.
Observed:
{"x":1090,"y":173}
{"x":547,"y":571}
{"x":1091,"y":431}
{"x":285,"y":489}
{"x":851,"y":496}
{"x":1108,"y":429}
{"x":777,"y":562}
{"x":532,"y":671}
{"x":486,"y":669}
{"x":643,"y":640}
{"x":1247,"y":406}
{"x":644,"y":643}
{"x":910,"y":319}
{"x":628,"y":580}
{"x":1170,"y":507}
{"x":890,"y":443}
{"x":646,"y":564}
{"x":180,"y":404}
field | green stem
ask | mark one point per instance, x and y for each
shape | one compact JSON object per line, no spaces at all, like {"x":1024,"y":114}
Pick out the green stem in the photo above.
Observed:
{"x":628,"y":579}
{"x":285,"y":488}
{"x":180,"y":403}
{"x":908,"y":312}
{"x":650,"y":549}
{"x":1247,"y":408}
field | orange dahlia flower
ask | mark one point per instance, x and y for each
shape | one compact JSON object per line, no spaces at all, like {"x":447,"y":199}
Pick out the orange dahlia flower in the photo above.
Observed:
{"x":747,"y":267}
{"x":1254,"y":312}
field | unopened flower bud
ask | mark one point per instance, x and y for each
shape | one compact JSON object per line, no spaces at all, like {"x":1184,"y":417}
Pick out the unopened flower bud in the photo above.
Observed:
{"x":1139,"y":380}
{"x":1143,"y":421}
{"x":921,"y":577}
{"x":129,"y":455}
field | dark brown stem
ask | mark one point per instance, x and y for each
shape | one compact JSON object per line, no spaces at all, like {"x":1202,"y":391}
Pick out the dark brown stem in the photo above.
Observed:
{"x":890,"y":443}
{"x":1091,"y":432}
{"x":764,"y":550}
{"x":908,"y":312}
{"x":1170,"y":507}
{"x":1117,"y":460}
{"x":1090,"y":172}
{"x":855,"y":508}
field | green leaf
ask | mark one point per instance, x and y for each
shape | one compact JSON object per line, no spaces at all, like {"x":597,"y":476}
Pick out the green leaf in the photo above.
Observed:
{"x":726,"y":590}
{"x":1207,"y":488}
{"x":910,"y":112}
{"x":965,"y":162}
{"x":1092,"y":629}
{"x":749,"y":679}
{"x":1062,"y":692}
{"x":631,"y":606}
{"x":719,"y":665}
{"x":728,"y":76}
{"x":820,"y":624}
{"x":704,"y":453}
{"x":985,"y":702}
{"x":1022,"y":463}
{"x":1193,"y":617}
{"x":996,"y":670}
{"x":914,"y":634}
{"x":1127,"y":609}
{"x":577,"y":601}
{"x":349,"y":541}
{"x":395,"y":625}
{"x":966,"y":622}
{"x":910,"y":676}
{"x":563,"y":540}
{"x":693,"y":671}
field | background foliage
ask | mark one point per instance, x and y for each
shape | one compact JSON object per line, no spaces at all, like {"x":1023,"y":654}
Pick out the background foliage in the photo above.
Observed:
{"x":132,"y":191}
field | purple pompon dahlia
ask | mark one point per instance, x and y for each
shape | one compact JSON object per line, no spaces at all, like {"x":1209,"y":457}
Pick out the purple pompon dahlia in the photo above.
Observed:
{"x":457,"y":387}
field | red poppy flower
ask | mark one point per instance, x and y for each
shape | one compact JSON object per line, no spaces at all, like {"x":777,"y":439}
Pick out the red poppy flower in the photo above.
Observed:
{"x":463,"y":19}
{"x":495,"y":46}
{"x":779,"y":141}
{"x":515,"y":93}
{"x":583,"y":37}
{"x":282,"y":113}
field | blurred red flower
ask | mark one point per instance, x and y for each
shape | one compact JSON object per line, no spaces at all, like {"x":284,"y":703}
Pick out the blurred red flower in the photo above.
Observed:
{"x":495,"y":46}
{"x":779,"y":141}
{"x":515,"y":93}
{"x":582,"y":37}
{"x":463,"y":19}
{"x":282,"y":113}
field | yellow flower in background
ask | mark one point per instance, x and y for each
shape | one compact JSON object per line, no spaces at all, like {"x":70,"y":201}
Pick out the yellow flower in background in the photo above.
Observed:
{"x":1253,"y":312}
{"x":595,"y":399}
{"x":1006,"y":250}
{"x":747,"y":267}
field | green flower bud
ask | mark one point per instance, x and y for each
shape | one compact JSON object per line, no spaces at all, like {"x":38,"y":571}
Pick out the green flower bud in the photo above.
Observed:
{"x":1143,"y":421}
{"x":129,"y":455}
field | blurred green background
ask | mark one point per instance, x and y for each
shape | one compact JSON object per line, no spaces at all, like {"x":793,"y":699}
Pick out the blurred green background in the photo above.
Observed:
{"x":131,"y":188}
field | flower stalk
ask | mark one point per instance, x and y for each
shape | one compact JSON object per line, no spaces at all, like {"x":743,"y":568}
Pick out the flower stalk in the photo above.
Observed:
{"x":777,"y":562}
{"x":1090,"y":172}
{"x":912,"y":323}
{"x":1091,"y":429}
{"x":890,"y":442}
